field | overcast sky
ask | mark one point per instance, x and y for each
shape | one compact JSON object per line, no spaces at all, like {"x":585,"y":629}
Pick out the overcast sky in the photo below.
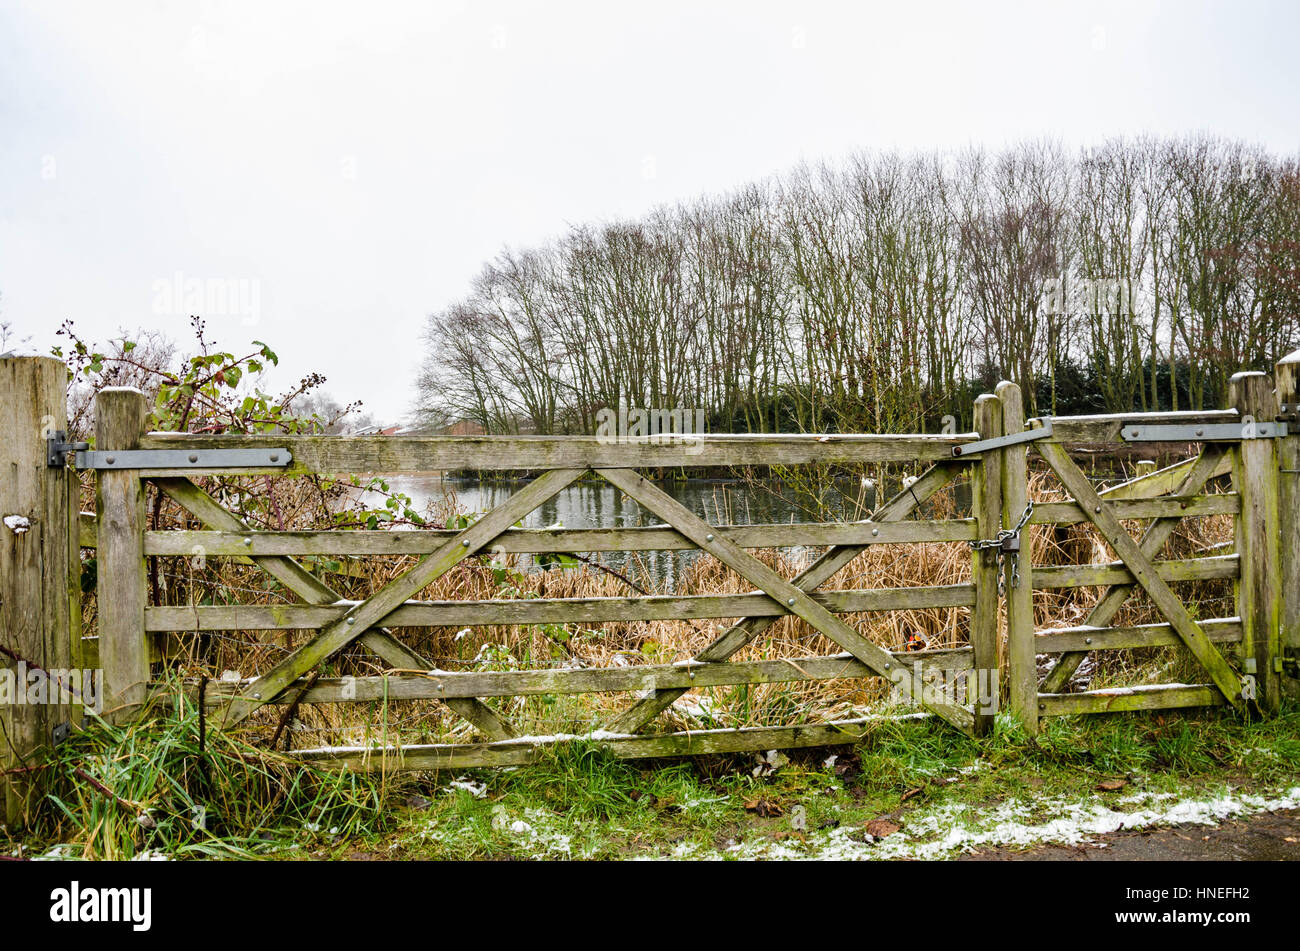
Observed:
{"x":351,"y":166}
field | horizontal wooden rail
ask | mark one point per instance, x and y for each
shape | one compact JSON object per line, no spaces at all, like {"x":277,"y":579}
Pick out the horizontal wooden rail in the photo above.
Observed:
{"x":549,"y":610}
{"x":1106,"y":427}
{"x":1084,"y":638}
{"x":520,"y":540}
{"x":394,"y":454}
{"x":441,"y":684}
{"x":1069,"y":513}
{"x":526,"y":750}
{"x":1187,"y":569}
{"x":1123,"y":699}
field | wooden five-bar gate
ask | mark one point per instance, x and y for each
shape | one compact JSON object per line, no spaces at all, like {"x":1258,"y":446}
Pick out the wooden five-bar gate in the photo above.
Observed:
{"x":1247,"y":658}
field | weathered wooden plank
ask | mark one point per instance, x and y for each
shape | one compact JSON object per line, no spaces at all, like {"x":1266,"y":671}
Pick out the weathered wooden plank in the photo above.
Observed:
{"x":1069,"y":513}
{"x":1208,"y":462}
{"x":36,"y":615}
{"x":524,"y":751}
{"x":1170,"y":479}
{"x":1215,"y":567}
{"x":393,"y":454}
{"x":312,"y":590}
{"x":986,"y":504}
{"x":1106,"y":427}
{"x":532,"y":540}
{"x":587,"y":611}
{"x":1168,"y":603}
{"x":777,"y":588}
{"x":1022,"y":672}
{"x":1126,"y":699}
{"x":442,"y":685}
{"x":87,"y":530}
{"x":338,"y":634}
{"x":742,"y":632}
{"x":1086,"y":637}
{"x":1257,"y":531}
{"x":121,"y":414}
{"x":1287,"y":376}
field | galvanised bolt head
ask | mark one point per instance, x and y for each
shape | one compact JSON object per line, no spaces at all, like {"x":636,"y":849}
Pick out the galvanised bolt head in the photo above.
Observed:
{"x":708,"y":538}
{"x":352,"y":620}
{"x":465,"y":542}
{"x":1042,"y":706}
{"x":194,"y":457}
{"x":791,"y":601}
{"x":257,"y":696}
{"x":1087,"y":640}
{"x":248,"y":540}
{"x":109,"y":459}
{"x":1097,"y":509}
{"x":875,"y":531}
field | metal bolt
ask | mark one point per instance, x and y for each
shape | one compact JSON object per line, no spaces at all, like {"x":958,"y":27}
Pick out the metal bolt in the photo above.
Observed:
{"x":1134,"y":433}
{"x":1097,"y":510}
{"x":257,"y":696}
{"x":791,"y":601}
{"x":1200,"y":432}
{"x":194,"y":457}
{"x":109,"y":459}
{"x":887,"y":666}
{"x":352,"y":620}
{"x":875,"y":531}
{"x":690,"y":674}
{"x":248,"y":540}
{"x":1042,"y":706}
{"x":465,"y":542}
{"x":275,"y":457}
{"x":1087,"y":640}
{"x":708,"y":538}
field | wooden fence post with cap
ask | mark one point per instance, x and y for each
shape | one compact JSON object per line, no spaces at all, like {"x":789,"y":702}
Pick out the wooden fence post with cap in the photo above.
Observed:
{"x":1286,"y":376}
{"x":1022,"y":670}
{"x":1255,"y":473}
{"x":982,"y":686}
{"x":39,"y":576}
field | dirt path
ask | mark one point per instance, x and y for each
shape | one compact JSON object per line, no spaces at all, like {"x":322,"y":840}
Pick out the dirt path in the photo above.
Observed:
{"x":1272,"y":836}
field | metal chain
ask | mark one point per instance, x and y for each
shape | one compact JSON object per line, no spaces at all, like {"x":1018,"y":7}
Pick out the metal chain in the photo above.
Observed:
{"x":1007,"y":543}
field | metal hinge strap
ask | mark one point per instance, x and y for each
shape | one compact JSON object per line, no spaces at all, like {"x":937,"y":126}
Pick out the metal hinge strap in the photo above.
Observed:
{"x":1203,"y":432}
{"x":184,"y":458}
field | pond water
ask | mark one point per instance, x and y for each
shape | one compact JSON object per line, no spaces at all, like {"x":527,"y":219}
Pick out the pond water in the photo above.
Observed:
{"x":600,"y":505}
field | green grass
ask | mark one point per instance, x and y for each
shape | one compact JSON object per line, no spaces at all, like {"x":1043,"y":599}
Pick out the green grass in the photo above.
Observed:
{"x":582,"y":803}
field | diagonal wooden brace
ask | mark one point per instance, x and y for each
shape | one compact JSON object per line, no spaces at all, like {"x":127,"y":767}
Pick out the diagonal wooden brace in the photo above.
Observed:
{"x":314,"y":591}
{"x":742,"y":632}
{"x":337,"y":635}
{"x":792,"y":598}
{"x":1210,"y":462}
{"x":1168,"y":603}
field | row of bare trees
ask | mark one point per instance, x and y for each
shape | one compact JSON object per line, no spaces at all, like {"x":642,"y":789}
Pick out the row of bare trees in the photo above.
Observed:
{"x":882,"y":294}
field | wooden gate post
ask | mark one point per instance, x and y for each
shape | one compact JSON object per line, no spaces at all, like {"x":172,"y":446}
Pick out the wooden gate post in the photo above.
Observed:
{"x":39,"y":588}
{"x":1259,"y":590}
{"x":120,"y":417}
{"x":1022,"y":669}
{"x":1286,"y":376}
{"x":986,"y":506}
